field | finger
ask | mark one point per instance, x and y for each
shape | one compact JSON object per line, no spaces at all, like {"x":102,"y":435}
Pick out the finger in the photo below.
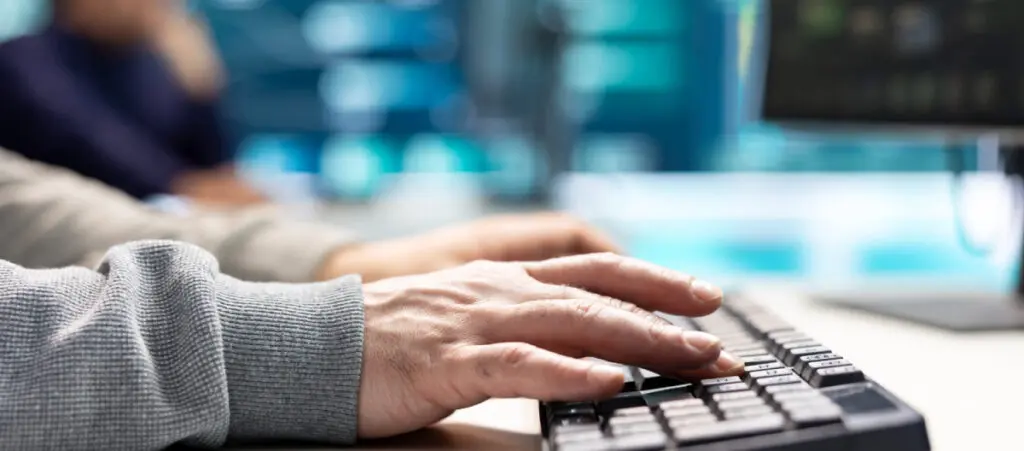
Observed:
{"x":726,"y":365}
{"x":520,"y":370}
{"x":593,"y":329}
{"x":647,"y":285}
{"x":567,"y":292}
{"x":592,"y":241}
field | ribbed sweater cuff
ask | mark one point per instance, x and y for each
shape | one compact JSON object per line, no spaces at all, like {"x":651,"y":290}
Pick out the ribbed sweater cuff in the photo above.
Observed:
{"x":293,"y":356}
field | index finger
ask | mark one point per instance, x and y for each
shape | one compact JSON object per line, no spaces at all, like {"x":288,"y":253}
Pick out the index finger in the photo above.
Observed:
{"x":644,"y":284}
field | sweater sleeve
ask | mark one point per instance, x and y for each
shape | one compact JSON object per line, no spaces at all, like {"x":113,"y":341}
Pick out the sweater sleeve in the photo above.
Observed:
{"x":51,"y":217}
{"x":158,"y":348}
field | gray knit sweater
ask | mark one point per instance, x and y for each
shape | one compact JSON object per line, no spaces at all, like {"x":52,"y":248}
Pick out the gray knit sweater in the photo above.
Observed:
{"x":158,"y":347}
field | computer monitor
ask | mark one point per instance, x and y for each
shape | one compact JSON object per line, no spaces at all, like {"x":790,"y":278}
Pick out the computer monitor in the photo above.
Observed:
{"x":937,"y":67}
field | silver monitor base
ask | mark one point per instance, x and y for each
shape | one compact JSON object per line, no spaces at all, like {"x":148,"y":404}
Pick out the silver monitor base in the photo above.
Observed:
{"x":961,"y":313}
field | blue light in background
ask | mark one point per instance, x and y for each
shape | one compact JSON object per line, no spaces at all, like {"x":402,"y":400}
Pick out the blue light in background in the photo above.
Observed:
{"x":625,"y":18}
{"x":614,"y":153}
{"x":267,"y":154}
{"x":432,"y":153}
{"x":634,"y":66}
{"x":333,"y":27}
{"x":354,"y":85}
{"x":18,"y":17}
{"x":354,"y":166}
{"x":515,"y":167}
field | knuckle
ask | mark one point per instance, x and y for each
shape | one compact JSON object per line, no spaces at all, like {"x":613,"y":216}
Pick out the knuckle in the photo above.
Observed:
{"x":514,"y":356}
{"x":655,"y":331}
{"x":587,"y":311}
{"x":629,"y":307}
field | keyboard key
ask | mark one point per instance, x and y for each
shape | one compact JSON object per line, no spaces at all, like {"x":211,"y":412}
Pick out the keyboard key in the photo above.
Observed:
{"x":764,"y":366}
{"x":591,"y":445}
{"x":628,"y":384}
{"x":796,"y":344}
{"x":572,"y":409}
{"x":816,"y":415}
{"x":679,"y":412}
{"x":681,"y":404}
{"x":798,"y":404}
{"x":777,"y":380}
{"x":720,"y":381}
{"x":692,"y":421}
{"x":561,"y":438}
{"x":758,"y":359}
{"x":649,"y":380}
{"x":776,"y":336}
{"x":791,"y":356}
{"x":681,"y":322}
{"x":747,"y":412}
{"x":565,"y":421}
{"x":641,"y":442}
{"x":757,"y":425}
{"x":622,"y":401}
{"x":725,"y":388}
{"x":656,"y":397}
{"x":769,"y":373}
{"x":802,"y":362}
{"x":730,"y":429}
{"x":742,"y":346}
{"x":749,"y":352}
{"x":573,"y":429}
{"x":641,"y":410}
{"x":768,"y":327}
{"x":689,"y":435}
{"x":777,"y":389}
{"x":811,"y":367}
{"x":633,"y":419}
{"x":828,"y":377}
{"x":631,"y":429}
{"x":739,"y":404}
{"x":723,"y":397}
{"x":808,"y":395}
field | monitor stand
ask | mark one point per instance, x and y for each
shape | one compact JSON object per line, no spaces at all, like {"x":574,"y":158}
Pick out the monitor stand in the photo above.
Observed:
{"x":965,"y":312}
{"x":957,"y":311}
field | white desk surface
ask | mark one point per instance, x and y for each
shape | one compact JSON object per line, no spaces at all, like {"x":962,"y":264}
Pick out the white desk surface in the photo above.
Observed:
{"x":968,"y":386}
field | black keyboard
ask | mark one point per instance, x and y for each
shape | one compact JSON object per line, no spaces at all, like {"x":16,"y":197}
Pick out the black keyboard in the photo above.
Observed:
{"x":797,"y":394}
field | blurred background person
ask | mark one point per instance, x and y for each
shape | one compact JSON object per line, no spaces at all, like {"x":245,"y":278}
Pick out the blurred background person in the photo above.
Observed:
{"x":51,"y":217}
{"x":126,"y":92}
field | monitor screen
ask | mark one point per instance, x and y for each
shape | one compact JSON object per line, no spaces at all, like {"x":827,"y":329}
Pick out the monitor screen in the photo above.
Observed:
{"x":902,"y":62}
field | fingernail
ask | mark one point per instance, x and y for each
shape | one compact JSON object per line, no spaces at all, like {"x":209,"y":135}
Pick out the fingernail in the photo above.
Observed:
{"x":705,"y":291}
{"x":701,"y":341}
{"x":726,"y":363}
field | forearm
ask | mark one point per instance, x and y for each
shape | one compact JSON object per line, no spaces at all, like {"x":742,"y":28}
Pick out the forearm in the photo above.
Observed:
{"x":51,"y":218}
{"x":159,"y":348}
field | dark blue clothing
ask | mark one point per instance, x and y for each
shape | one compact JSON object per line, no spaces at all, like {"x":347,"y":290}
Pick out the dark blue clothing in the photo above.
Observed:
{"x":114,"y":115}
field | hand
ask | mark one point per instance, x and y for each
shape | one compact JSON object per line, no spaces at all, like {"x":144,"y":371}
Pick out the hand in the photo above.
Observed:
{"x":185,"y":45}
{"x":439,"y":342}
{"x":503,"y":238}
{"x":217,"y":187}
